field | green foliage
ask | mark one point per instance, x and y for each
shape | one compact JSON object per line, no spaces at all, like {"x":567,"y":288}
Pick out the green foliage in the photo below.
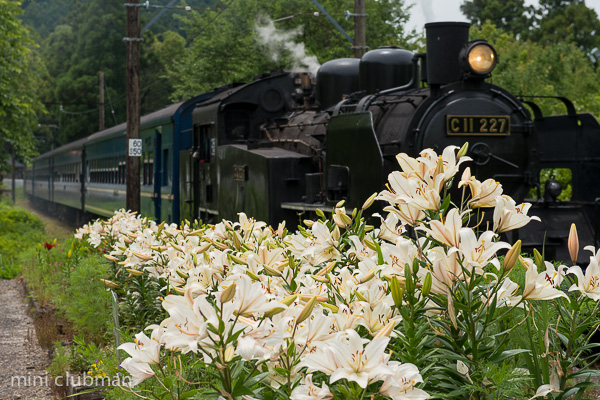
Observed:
{"x":19,"y":230}
{"x":140,"y":303}
{"x":566,"y":21}
{"x":225,"y":45}
{"x":532,"y":69}
{"x":18,"y":83}
{"x":86,"y":305}
{"x":44,"y":15}
{"x":508,"y":15}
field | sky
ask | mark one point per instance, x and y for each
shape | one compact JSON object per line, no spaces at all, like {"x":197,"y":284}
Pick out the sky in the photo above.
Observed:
{"x":449,"y":10}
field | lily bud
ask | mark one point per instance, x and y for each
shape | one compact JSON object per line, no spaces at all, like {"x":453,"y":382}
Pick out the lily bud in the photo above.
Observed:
{"x":203,"y":248}
{"x":229,"y":353}
{"x":331,"y":307}
{"x":109,"y":284}
{"x":134,"y":272}
{"x":237,"y":259}
{"x":142,"y":256}
{"x":320,"y":213}
{"x":289,"y":300}
{"x":370,"y":244}
{"x":510,"y":260}
{"x":466,"y":177}
{"x":228,"y":293}
{"x":307,"y":310}
{"x":327,"y":269}
{"x":281,"y":230}
{"x":335,"y":234}
{"x":539,"y":260}
{"x":321,"y":279}
{"x":463,"y":151}
{"x":182,"y":274}
{"x":415,"y":266}
{"x":397,"y":291}
{"x":359,"y":296}
{"x":439,"y":169}
{"x":108,"y":257}
{"x":408,"y":279}
{"x":274,"y":311}
{"x":573,"y":244}
{"x":338,"y":221}
{"x":451,"y":312}
{"x":426,"y":285}
{"x":271,"y":271}
{"x":340,"y":204}
{"x":237,"y":242}
{"x":346,"y":219}
{"x":368,"y":276}
{"x":354,"y":213}
{"x":177,"y":247}
{"x":309,"y":223}
{"x":70,"y":253}
{"x":369,"y":202}
{"x":252,"y":276}
{"x":221,"y":246}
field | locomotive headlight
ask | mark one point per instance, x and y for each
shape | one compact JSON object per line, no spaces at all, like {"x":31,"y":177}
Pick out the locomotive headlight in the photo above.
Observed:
{"x":478,"y":58}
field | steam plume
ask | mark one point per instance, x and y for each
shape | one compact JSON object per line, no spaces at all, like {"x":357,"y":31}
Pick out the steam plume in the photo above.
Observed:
{"x":278,"y":42}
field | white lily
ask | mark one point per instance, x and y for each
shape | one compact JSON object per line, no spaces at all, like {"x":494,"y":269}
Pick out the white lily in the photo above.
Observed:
{"x":588,"y":285}
{"x":509,"y":216}
{"x":139,"y":371}
{"x":307,"y":390}
{"x":144,"y":349}
{"x":542,"y":286}
{"x":348,"y":359}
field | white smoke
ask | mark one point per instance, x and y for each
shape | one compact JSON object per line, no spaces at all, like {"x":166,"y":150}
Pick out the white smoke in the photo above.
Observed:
{"x":427,"y":8}
{"x":278,"y":42}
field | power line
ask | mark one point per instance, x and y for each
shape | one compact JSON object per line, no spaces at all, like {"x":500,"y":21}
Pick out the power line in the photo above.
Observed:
{"x":62,"y":110}
{"x":112,"y":110}
{"x":203,"y":28}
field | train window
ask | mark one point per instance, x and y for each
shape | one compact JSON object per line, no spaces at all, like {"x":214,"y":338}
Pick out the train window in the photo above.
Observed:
{"x":122,"y":172}
{"x":166,"y":179}
{"x":202,"y":144}
{"x":143,"y":172}
{"x":237,"y":124}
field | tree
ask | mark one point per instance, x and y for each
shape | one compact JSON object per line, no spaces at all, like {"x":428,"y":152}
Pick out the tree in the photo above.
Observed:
{"x":529,"y":68}
{"x":18,"y":82}
{"x":566,"y":21}
{"x":508,"y":15}
{"x":225,"y":44}
{"x":45,"y":15}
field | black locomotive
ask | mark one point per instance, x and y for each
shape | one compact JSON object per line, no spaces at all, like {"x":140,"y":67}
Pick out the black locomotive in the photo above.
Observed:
{"x":290,"y":143}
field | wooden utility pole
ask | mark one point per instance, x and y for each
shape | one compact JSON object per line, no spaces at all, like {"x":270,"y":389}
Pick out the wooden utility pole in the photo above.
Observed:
{"x":360,"y":28}
{"x":133,"y":104}
{"x":14,"y":173}
{"x":101,"y":116}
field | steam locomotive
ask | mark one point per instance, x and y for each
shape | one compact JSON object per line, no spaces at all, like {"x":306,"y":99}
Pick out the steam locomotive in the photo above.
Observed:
{"x":289,"y":143}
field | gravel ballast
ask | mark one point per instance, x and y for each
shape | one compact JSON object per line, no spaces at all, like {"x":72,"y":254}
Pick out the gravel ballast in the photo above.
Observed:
{"x":22,"y":360}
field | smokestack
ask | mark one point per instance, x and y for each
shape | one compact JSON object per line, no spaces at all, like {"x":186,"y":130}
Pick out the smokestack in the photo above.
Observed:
{"x":444,"y":42}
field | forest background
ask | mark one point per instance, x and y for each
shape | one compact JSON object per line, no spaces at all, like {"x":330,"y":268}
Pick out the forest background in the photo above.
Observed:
{"x":54,"y":50}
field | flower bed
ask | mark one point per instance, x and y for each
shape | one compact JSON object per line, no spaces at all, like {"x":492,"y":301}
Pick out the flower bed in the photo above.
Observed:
{"x":421,"y":305}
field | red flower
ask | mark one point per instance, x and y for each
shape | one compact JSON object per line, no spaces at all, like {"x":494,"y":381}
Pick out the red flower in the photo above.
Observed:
{"x":49,"y":246}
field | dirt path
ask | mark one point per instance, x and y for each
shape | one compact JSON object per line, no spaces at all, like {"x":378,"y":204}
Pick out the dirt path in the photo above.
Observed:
{"x":22,"y":361}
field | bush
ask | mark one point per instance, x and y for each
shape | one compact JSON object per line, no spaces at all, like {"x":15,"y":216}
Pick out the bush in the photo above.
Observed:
{"x":19,"y":230}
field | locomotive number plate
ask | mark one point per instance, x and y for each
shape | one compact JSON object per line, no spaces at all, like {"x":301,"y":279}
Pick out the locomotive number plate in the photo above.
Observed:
{"x":478,"y":125}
